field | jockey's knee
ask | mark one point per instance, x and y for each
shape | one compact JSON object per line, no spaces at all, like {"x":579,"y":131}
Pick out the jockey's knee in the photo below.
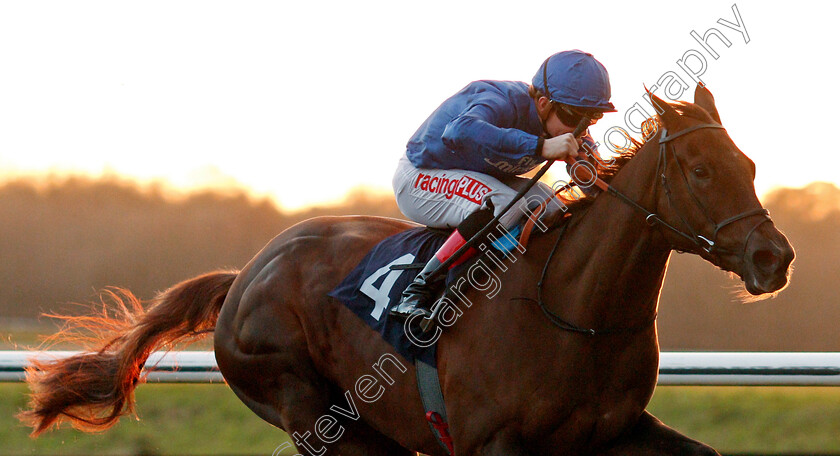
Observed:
{"x":475,"y":222}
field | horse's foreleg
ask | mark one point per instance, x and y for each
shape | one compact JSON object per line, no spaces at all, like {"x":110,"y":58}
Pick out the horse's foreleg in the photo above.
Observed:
{"x":649,"y":437}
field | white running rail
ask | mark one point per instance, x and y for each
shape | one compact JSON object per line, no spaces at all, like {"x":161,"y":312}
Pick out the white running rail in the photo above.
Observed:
{"x":676,"y":368}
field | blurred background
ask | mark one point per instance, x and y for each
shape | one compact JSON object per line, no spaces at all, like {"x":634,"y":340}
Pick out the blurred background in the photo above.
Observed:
{"x":144,"y":143}
{"x":64,"y":239}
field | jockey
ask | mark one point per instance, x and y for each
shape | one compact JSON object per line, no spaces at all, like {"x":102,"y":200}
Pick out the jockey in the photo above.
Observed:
{"x":462,"y":164}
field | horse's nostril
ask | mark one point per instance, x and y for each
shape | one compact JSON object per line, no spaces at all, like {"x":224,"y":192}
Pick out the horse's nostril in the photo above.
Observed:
{"x":765,"y":260}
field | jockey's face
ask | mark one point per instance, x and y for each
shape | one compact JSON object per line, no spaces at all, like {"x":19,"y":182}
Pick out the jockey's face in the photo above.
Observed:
{"x":558,"y":119}
{"x":557,"y":127}
{"x":552,"y":124}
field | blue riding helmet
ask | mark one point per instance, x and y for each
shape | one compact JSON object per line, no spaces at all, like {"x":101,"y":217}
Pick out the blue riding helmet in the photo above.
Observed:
{"x":575,"y":78}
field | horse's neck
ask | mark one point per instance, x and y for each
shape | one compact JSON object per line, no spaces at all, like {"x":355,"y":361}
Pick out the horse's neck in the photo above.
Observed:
{"x":610,"y":266}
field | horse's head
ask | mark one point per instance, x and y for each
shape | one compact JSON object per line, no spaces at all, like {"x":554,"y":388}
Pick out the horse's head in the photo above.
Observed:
{"x":705,"y":190}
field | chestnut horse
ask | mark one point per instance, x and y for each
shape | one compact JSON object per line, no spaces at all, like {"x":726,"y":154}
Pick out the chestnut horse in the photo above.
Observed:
{"x":518,"y":378}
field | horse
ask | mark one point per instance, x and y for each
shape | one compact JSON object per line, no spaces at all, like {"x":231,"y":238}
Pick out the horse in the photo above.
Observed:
{"x":562,"y":360}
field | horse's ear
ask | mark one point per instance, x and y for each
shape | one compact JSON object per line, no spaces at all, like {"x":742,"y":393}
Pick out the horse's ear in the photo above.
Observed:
{"x":703,"y":98}
{"x":666,"y":112}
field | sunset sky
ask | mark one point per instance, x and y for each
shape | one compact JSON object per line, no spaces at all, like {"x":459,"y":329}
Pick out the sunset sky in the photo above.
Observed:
{"x":302,"y":101}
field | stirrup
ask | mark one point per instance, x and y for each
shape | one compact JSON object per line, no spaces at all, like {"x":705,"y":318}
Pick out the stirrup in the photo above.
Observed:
{"x":405,"y":314}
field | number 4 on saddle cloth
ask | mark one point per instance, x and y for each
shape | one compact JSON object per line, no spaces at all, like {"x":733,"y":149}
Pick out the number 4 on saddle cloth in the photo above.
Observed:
{"x":377,"y":282}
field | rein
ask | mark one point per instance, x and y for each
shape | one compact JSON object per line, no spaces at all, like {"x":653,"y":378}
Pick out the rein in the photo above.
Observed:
{"x":427,"y":323}
{"x":652,"y":219}
{"x":559,"y":322}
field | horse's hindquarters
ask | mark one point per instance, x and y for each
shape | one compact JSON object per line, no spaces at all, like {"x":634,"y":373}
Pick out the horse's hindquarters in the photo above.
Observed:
{"x":300,"y":359}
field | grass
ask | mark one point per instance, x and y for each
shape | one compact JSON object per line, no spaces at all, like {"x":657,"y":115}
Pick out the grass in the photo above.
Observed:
{"x":200,"y":419}
{"x":762,"y":420}
{"x":210,"y":420}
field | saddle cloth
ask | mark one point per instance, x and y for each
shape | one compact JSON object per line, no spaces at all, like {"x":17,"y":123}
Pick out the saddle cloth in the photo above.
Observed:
{"x":373,"y":287}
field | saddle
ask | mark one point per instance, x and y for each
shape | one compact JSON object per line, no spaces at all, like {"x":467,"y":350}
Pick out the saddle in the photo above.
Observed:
{"x":377,"y":282}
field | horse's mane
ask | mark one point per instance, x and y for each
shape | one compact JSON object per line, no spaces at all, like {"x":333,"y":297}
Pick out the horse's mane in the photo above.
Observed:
{"x":576,"y":199}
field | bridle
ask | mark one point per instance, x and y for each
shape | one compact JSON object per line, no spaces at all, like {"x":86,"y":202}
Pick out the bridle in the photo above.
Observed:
{"x":709,"y":245}
{"x":700,"y":241}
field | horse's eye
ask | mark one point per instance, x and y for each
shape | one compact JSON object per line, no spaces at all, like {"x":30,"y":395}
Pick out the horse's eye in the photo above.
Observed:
{"x":701,"y":172}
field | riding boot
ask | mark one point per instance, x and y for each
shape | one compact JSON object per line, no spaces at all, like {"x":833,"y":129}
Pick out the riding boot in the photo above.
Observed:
{"x":415,"y":298}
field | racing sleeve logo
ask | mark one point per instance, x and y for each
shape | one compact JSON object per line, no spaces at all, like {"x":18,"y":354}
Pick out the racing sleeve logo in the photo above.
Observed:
{"x":524,"y":165}
{"x":465,"y":187}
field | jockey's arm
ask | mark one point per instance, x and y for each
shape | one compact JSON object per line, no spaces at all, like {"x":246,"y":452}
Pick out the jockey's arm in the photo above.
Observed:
{"x":485,"y":129}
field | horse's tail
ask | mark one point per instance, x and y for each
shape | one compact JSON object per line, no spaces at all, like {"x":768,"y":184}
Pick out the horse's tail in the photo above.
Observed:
{"x":95,"y":388}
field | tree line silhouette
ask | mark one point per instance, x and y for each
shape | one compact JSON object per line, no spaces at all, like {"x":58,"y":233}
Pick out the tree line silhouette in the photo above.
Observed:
{"x":63,"y":240}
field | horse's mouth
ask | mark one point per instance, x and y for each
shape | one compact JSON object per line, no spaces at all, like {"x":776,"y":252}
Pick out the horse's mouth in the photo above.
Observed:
{"x":757,"y":287}
{"x":763,"y":273}
{"x":765,"y":265}
{"x":757,"y":277}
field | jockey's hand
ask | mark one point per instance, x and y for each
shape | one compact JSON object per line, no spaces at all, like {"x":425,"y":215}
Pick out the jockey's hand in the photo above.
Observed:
{"x":560,"y":147}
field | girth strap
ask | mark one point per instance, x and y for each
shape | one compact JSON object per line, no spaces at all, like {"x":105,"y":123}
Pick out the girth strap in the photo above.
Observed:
{"x":430,"y":393}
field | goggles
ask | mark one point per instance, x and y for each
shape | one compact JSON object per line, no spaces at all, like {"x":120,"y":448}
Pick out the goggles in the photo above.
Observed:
{"x":571,"y":116}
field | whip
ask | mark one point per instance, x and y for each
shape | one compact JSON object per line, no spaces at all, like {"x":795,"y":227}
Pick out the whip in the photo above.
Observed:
{"x":427,"y":323}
